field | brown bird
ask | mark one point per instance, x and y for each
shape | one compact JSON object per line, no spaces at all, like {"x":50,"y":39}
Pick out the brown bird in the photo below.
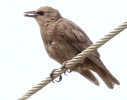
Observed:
{"x":63,"y":40}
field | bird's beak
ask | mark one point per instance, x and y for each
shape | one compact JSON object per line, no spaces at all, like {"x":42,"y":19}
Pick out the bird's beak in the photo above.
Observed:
{"x":30,"y":14}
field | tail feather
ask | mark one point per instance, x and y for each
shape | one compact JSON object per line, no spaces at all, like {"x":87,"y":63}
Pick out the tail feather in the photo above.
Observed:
{"x":104,"y":74}
{"x":90,"y":76}
{"x":106,"y":80}
{"x":113,"y":79}
{"x":101,"y":70}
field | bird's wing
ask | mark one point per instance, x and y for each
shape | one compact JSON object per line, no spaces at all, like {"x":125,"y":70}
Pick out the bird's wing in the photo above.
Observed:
{"x":78,"y":38}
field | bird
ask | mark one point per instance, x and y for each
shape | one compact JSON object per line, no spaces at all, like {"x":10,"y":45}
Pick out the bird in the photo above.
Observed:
{"x":63,"y":40}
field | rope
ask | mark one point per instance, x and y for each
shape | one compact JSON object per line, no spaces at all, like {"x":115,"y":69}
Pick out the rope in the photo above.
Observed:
{"x":75,"y":60}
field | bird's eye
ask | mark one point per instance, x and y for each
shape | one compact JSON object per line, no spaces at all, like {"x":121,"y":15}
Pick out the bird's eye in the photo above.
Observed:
{"x":41,"y":13}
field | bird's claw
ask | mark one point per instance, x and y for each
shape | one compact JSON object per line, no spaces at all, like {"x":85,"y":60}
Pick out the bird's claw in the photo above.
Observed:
{"x":63,"y":67}
{"x":51,"y":76}
{"x":60,"y":78}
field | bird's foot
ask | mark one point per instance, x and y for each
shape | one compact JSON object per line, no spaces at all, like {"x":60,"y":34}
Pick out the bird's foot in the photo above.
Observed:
{"x":63,"y":67}
{"x":51,"y":76}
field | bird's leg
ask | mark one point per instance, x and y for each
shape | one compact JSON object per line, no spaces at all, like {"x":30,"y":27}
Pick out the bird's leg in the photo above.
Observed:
{"x":63,"y":67}
{"x":51,"y":76}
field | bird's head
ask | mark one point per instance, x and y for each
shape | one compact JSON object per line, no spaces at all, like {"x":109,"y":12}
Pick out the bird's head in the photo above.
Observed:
{"x":44,"y":15}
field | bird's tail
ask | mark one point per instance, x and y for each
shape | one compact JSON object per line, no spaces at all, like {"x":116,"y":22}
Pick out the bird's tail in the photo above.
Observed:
{"x":86,"y":71}
{"x":107,"y":77}
{"x":90,"y":76}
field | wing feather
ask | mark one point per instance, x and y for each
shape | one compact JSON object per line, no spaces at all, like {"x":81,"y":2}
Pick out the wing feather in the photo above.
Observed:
{"x":78,"y":38}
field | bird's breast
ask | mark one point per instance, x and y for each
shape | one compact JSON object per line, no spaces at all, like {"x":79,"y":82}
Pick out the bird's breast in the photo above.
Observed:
{"x":60,"y":49}
{"x":57,"y":46}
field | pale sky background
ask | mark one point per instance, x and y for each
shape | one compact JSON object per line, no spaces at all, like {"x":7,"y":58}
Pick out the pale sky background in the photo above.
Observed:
{"x":24,"y":61}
